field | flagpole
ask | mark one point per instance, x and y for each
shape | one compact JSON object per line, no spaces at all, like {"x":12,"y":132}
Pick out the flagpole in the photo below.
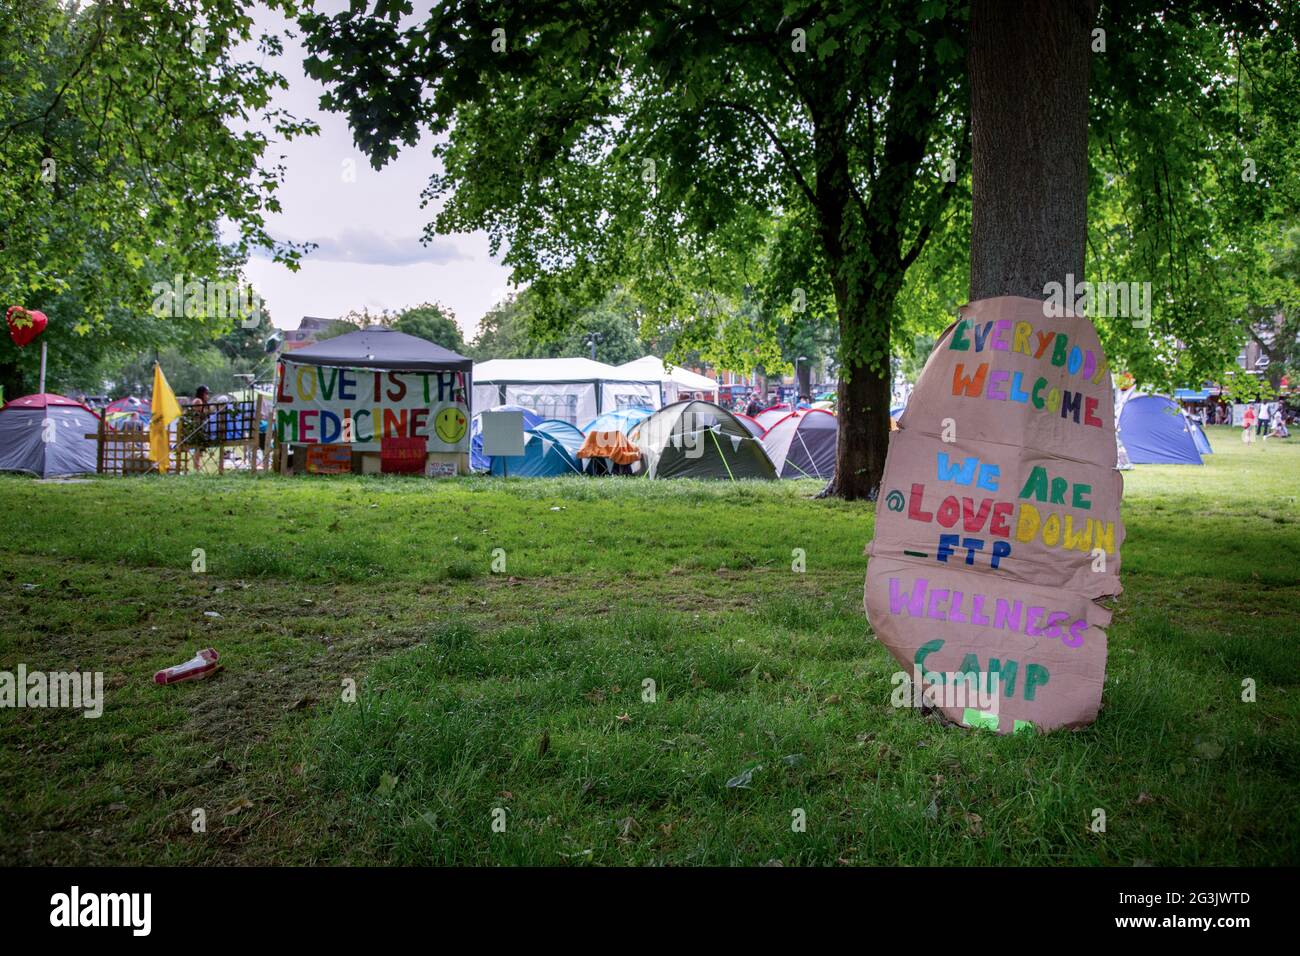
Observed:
{"x":41,"y":390}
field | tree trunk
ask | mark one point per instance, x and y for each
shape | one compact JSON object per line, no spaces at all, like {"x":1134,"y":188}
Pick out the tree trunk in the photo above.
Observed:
{"x":11,"y":380}
{"x":866,"y":274}
{"x":803,"y":379}
{"x":1028,"y":63}
{"x":863,"y":412}
{"x":865,"y":305}
{"x":862,"y":240}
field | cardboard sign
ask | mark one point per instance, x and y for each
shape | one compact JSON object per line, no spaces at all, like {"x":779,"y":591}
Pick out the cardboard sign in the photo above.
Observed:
{"x":329,"y":459}
{"x":402,"y":455}
{"x":440,"y":469}
{"x":503,"y":434}
{"x":363,"y":407}
{"x":998,"y":525}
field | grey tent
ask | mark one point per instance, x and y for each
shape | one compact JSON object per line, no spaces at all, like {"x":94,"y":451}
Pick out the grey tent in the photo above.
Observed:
{"x":378,"y":347}
{"x":802,"y":445}
{"x":45,"y":435}
{"x":696,"y":439}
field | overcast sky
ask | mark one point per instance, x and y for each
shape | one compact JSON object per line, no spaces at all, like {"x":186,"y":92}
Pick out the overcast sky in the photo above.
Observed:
{"x":368,"y":230}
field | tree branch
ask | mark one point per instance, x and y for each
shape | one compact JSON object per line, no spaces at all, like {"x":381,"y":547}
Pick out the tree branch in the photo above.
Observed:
{"x":790,"y":161}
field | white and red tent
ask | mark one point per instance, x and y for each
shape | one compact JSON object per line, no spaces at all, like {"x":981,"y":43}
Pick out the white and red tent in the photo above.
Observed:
{"x":802,"y":444}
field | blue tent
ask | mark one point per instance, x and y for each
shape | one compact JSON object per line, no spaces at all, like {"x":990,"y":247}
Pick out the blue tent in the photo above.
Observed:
{"x":620,"y":420}
{"x":1155,"y":431}
{"x":1198,"y":436}
{"x":553,"y":429}
{"x":550,"y":448}
{"x":479,"y":461}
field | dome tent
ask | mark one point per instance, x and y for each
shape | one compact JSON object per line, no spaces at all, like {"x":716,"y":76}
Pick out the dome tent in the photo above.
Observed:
{"x":770,"y":416}
{"x":751,"y":425}
{"x":45,"y":435}
{"x":620,"y":420}
{"x":479,"y":461}
{"x":550,"y":448}
{"x":696,"y":439}
{"x":1155,"y":431}
{"x":1198,"y":435}
{"x":566,"y":435}
{"x":128,"y":412}
{"x":802,"y":445}
{"x":606,"y":446}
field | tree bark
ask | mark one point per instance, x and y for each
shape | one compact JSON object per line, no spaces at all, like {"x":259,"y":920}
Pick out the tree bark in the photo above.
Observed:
{"x":803,"y":379}
{"x":863,"y":416}
{"x":866,"y":273}
{"x":865,"y":314}
{"x":1028,"y":62}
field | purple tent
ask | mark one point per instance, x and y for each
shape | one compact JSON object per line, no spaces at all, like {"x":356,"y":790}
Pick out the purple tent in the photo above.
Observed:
{"x":45,"y":435}
{"x":802,"y":444}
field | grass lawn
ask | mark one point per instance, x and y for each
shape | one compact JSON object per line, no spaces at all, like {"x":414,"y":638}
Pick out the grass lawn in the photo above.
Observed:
{"x":523,"y":691}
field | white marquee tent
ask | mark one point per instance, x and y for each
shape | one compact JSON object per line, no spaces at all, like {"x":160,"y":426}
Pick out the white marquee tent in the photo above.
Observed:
{"x":677,"y":383}
{"x":574,"y":390}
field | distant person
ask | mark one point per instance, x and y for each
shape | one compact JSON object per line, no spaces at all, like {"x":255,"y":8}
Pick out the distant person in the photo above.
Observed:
{"x":752,"y":408}
{"x":1278,"y":422}
{"x":1248,"y":421}
{"x":1265,"y":413}
{"x":200,"y":398}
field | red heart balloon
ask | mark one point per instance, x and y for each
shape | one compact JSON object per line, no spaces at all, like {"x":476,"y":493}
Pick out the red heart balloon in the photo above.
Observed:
{"x":24,"y":324}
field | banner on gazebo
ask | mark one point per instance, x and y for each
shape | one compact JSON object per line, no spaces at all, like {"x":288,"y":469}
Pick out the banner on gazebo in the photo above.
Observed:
{"x":362,"y":407}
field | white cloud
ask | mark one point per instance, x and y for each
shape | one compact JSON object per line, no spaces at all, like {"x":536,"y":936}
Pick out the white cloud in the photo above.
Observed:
{"x":367,"y":222}
{"x":368,"y":247}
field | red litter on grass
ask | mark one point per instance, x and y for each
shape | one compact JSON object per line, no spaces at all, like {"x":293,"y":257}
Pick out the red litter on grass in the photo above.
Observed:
{"x":203,"y":664}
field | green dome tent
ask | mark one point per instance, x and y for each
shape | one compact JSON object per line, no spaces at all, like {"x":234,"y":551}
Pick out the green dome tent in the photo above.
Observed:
{"x":695,"y":439}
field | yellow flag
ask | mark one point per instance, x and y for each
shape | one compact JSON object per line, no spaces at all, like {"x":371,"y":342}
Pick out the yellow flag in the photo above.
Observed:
{"x":165,"y":410}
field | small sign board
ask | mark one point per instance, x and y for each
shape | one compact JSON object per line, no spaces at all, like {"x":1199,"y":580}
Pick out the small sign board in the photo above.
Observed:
{"x":440,"y":469}
{"x":503,"y":434}
{"x":403,"y":455}
{"x":334,"y":459}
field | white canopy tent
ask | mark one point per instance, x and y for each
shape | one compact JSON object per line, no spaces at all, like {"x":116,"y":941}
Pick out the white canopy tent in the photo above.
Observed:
{"x":677,"y":383}
{"x":573,"y":390}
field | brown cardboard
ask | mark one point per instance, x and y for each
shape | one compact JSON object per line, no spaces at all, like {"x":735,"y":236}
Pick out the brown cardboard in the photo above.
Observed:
{"x":1000,"y":486}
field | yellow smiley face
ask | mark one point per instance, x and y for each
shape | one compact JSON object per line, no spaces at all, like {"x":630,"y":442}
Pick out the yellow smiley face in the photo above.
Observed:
{"x":450,"y":425}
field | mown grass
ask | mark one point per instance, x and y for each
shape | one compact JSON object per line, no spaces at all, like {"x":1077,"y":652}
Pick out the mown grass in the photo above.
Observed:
{"x":522,"y":695}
